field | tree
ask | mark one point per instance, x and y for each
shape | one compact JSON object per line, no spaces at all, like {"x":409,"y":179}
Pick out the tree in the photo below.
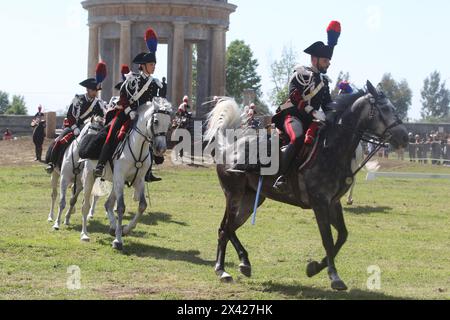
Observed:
{"x":399,"y":93}
{"x":4,"y":102}
{"x":17,"y":106}
{"x":241,"y":70}
{"x":341,"y":77}
{"x":281,"y":71}
{"x":435,"y":98}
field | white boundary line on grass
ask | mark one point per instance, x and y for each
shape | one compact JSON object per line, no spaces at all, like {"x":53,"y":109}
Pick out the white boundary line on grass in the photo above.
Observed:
{"x":406,"y":175}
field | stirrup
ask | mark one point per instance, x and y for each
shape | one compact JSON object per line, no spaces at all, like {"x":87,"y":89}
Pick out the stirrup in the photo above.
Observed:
{"x":281,"y":184}
{"x":49,"y":168}
{"x":98,"y":172}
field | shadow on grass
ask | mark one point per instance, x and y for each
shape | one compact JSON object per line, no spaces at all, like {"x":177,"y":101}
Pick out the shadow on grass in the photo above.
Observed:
{"x":367,"y":210}
{"x":95,"y":226}
{"x":298,"y":291}
{"x":143,"y":250}
{"x":153,"y":218}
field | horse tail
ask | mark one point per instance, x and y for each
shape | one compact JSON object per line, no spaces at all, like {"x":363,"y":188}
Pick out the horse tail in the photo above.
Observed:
{"x":225,"y":115}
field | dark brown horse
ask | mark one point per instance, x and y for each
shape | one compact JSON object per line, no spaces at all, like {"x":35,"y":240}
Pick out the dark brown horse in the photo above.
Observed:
{"x":319,"y":187}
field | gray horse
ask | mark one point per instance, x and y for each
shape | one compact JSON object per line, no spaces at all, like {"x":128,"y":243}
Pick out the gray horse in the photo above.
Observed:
{"x":319,"y":187}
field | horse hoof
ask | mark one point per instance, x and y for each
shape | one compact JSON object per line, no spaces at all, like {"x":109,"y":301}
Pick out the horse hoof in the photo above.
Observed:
{"x":85,"y":238}
{"x":312,"y":269}
{"x":338,"y":285}
{"x":56,"y":228}
{"x":117,"y":245}
{"x":112,"y":232}
{"x":90,"y":217}
{"x":67,"y":223}
{"x":226,"y":278}
{"x":246,"y":270}
{"x":50,"y":219}
{"x":350,"y":202}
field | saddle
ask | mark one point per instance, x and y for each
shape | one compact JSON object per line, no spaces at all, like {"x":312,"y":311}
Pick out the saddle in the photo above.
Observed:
{"x":305,"y":157}
{"x":91,"y":145}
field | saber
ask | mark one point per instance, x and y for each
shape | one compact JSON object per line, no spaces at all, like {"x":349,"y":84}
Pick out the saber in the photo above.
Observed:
{"x":258,"y":194}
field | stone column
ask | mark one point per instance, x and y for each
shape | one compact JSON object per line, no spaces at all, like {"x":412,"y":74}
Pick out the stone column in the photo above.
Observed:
{"x":188,"y":69}
{"x":177,"y":63}
{"x":218,"y":49}
{"x":93,"y":55}
{"x":125,"y":42}
{"x":203,"y":76}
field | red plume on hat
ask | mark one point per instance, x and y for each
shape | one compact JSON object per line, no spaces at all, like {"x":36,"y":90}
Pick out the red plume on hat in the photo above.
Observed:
{"x":124,"y":70}
{"x":334,"y":32}
{"x":100,"y":72}
{"x":151,"y":39}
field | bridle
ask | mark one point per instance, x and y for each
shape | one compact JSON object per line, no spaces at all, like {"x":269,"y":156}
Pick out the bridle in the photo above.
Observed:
{"x":379,"y":141}
{"x":139,"y":162}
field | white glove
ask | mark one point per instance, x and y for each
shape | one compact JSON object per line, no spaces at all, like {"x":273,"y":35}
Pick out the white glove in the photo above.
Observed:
{"x":319,"y":115}
{"x":132,"y":115}
{"x":76,"y":132}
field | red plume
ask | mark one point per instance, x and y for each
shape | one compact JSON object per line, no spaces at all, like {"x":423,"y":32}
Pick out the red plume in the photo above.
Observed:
{"x":100,"y":72}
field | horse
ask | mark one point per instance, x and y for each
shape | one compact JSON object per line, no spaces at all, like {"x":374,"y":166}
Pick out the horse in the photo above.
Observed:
{"x":131,"y":162}
{"x":319,"y":186}
{"x":70,"y":174}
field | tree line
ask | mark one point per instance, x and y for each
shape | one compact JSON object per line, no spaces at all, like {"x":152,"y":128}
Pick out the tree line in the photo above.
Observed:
{"x":241,"y":74}
{"x":15,"y":106}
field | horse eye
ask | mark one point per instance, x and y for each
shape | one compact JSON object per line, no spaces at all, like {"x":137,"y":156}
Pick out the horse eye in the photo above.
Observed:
{"x":155,"y":121}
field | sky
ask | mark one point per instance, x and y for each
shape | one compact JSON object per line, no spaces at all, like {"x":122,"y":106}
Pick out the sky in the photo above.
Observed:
{"x":45,"y":42}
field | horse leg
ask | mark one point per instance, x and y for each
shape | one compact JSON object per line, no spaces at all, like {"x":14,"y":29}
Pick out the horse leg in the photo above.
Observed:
{"x":92,"y":210}
{"x":224,"y":236}
{"x":323,"y":213}
{"x":337,"y":221}
{"x":62,"y":203}
{"x":118,"y":188}
{"x":350,"y":194}
{"x":109,"y":207}
{"x":73,"y":201}
{"x":140,"y":190}
{"x":88,"y":179}
{"x":244,"y":212}
{"x":54,"y":180}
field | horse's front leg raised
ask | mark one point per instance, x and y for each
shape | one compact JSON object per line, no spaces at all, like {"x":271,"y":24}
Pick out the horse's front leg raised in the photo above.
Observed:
{"x":73,"y":201}
{"x":323,"y":212}
{"x":54,"y":181}
{"x":140,"y":191}
{"x":92,"y":210}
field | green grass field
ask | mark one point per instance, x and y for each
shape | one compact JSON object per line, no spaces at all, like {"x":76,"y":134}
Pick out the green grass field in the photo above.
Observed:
{"x":401,"y":226}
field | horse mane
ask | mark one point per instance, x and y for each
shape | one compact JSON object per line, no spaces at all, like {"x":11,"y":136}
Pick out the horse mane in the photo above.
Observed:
{"x":344,"y":102}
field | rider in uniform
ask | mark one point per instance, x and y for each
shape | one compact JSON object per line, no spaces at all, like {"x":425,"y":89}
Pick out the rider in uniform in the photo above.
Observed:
{"x":137,"y":89}
{"x":308,"y":92}
{"x":82,"y":107}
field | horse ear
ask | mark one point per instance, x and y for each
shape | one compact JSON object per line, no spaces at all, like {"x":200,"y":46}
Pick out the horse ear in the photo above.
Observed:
{"x":372,"y":89}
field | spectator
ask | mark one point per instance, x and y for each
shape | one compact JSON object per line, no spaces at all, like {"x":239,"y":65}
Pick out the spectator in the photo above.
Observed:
{"x":435,"y":151}
{"x":7,"y":135}
{"x":163,"y":91}
{"x":412,"y":148}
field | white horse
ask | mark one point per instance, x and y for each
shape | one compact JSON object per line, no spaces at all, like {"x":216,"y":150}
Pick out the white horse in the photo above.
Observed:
{"x":130,"y":166}
{"x":70,"y":174}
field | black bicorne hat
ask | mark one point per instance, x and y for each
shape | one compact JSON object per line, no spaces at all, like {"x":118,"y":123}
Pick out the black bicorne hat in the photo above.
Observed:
{"x":90,"y":83}
{"x":320,"y":50}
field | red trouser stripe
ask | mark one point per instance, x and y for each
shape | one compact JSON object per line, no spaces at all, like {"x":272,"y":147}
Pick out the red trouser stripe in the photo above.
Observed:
{"x":111,"y":128}
{"x":289,"y":130}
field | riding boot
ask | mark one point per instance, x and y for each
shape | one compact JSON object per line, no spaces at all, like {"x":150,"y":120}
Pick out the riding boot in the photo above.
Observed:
{"x":149,"y":177}
{"x":106,"y":154}
{"x":287,"y":156}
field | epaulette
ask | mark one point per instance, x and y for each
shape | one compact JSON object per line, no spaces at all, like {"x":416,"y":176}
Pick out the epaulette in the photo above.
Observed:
{"x":158,"y":83}
{"x":303,"y":75}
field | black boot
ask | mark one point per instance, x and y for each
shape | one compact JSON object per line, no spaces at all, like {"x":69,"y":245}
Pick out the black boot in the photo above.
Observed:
{"x":50,"y":168}
{"x":287,"y":156}
{"x":149,"y":177}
